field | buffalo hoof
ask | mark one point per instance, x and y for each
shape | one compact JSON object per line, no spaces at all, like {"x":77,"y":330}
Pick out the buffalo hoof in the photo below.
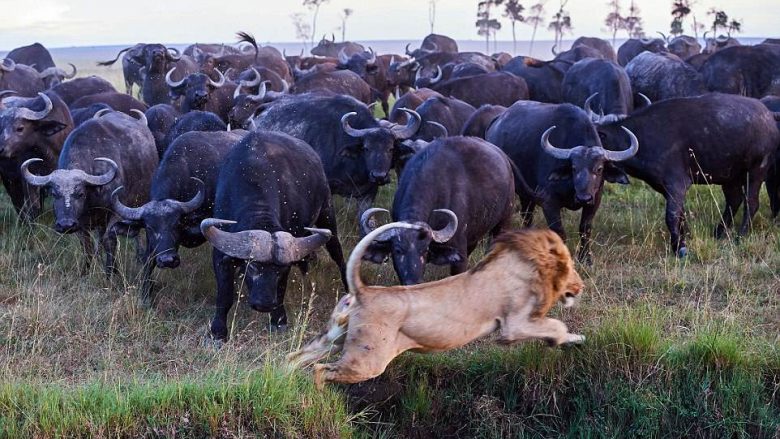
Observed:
{"x":682,"y":253}
{"x":278,"y":329}
{"x":210,"y":342}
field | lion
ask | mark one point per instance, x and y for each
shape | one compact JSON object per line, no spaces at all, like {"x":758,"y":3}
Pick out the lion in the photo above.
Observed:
{"x":510,"y":291}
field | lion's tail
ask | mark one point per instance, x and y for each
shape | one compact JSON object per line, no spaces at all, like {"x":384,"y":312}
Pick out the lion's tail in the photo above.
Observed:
{"x":329,"y":342}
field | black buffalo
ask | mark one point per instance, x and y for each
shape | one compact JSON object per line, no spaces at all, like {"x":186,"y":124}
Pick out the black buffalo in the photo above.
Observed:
{"x":31,"y":128}
{"x":571,"y":173}
{"x":496,"y":88}
{"x":434,"y":43}
{"x":410,"y":101}
{"x":684,"y":46}
{"x":773,"y":176}
{"x":543,"y":78}
{"x":451,"y":114}
{"x":715,"y":138}
{"x":604,"y":79}
{"x":479,"y":121}
{"x":356,"y":152}
{"x":182,"y":195}
{"x":745,"y":70}
{"x":70,"y":91}
{"x":634,"y":47}
{"x":662,"y":76}
{"x":271,"y":193}
{"x":603,"y":46}
{"x":193,"y":121}
{"x":459,"y":189}
{"x":161,"y":118}
{"x":102,"y":154}
{"x":132,"y":63}
{"x":21,"y":78}
{"x":118,"y":101}
{"x":199,"y":92}
{"x":339,"y":82}
{"x":331,"y":48}
{"x":39,"y":58}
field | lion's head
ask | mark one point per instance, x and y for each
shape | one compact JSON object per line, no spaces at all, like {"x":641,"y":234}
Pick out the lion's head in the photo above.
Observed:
{"x":557,"y":280}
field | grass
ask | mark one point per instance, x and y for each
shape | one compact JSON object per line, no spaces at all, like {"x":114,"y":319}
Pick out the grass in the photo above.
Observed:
{"x":675,"y":348}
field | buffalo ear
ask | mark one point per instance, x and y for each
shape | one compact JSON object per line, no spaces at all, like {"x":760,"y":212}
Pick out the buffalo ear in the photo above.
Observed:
{"x":49,"y":127}
{"x":558,"y":174}
{"x":613,"y":174}
{"x":377,"y":252}
{"x":444,"y":255}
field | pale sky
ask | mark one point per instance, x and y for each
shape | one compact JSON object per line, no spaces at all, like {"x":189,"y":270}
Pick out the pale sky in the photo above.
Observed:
{"x":59,"y":23}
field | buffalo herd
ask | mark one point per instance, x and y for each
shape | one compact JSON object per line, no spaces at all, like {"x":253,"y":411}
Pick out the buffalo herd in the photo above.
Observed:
{"x":245,"y":147}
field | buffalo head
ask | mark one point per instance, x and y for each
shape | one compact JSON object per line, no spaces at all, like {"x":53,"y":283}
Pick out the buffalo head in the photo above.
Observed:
{"x":22,"y":127}
{"x":195,"y":89}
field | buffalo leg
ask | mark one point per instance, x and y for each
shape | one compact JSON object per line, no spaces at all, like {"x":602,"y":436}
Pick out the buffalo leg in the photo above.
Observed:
{"x":224,"y":272}
{"x":327,"y":220}
{"x":279,"y":314}
{"x":586,"y":225}
{"x":33,"y":202}
{"x":109,"y":242}
{"x":147,"y":293}
{"x":89,"y":249}
{"x":733,"y":196}
{"x":675,"y":204}
{"x":773,"y":189}
{"x":14,"y":185}
{"x":552,"y":214}
{"x":366,"y":201}
{"x":751,"y":201}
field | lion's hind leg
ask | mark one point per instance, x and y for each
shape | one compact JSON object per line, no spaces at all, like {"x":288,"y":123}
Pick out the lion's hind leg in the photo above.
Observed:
{"x":328,"y":343}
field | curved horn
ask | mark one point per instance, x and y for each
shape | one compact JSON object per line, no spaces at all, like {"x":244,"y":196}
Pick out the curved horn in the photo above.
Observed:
{"x":72,"y":74}
{"x":619,"y":156}
{"x":332,"y":37}
{"x":256,"y":245}
{"x":196,"y":201}
{"x":128,"y":213}
{"x":289,"y":249}
{"x":372,"y":60}
{"x":558,"y":153}
{"x":593,"y":116}
{"x":8,"y":65}
{"x":26,"y":113}
{"x":367,"y":217}
{"x":552,"y":49}
{"x":411,"y":127}
{"x":352,"y":131}
{"x":439,"y":75}
{"x":407,"y":49}
{"x":98,"y":114}
{"x":170,"y":82}
{"x":646,"y":40}
{"x":105,"y":178}
{"x":35,"y":180}
{"x":448,"y":231}
{"x":343,"y":58}
{"x":141,"y":116}
{"x":647,"y":100}
{"x":663,"y":36}
{"x":260,"y":96}
{"x":173,"y":53}
{"x":435,"y":47}
{"x":221,"y":80}
{"x":51,"y":71}
{"x":439,"y":126}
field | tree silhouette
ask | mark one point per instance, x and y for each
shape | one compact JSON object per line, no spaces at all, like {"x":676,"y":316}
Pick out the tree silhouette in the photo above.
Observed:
{"x":513,"y":10}
{"x":534,"y":18}
{"x":314,"y":5}
{"x":487,"y":26}
{"x":735,"y":26}
{"x":633,"y":22}
{"x":302,"y":28}
{"x":720,"y":20}
{"x":680,"y":10}
{"x":345,"y":14}
{"x":615,"y":20}
{"x":561,"y":22}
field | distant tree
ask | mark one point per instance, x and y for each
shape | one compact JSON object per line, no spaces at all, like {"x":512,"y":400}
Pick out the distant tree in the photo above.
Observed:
{"x":561,"y":22}
{"x":720,"y":20}
{"x":735,"y":26}
{"x":680,"y":10}
{"x":534,"y":18}
{"x":345,"y":14}
{"x":302,"y":28}
{"x":697,"y":27}
{"x":432,"y":13}
{"x":615,"y":20}
{"x":487,"y":26}
{"x":633,"y":22}
{"x":314,"y":6}
{"x":513,"y":10}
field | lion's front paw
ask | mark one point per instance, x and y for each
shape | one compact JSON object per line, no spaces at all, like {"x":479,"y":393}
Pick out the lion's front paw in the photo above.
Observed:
{"x":575,"y":339}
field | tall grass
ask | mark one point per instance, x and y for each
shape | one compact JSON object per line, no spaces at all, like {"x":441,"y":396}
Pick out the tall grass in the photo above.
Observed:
{"x":675,"y":347}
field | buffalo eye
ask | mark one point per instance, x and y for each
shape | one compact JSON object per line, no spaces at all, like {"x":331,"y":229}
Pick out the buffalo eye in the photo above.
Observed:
{"x":600,"y":169}
{"x":20,"y":128}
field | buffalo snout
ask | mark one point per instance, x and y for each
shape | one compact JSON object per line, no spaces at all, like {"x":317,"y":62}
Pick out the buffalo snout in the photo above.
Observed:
{"x":66,"y":225}
{"x":378,"y":177}
{"x":168,"y":260}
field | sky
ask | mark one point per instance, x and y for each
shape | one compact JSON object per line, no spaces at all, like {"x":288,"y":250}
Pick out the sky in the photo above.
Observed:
{"x":64,"y":23}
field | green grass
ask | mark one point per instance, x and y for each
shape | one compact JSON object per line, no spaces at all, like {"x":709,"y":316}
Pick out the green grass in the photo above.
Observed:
{"x":675,"y":348}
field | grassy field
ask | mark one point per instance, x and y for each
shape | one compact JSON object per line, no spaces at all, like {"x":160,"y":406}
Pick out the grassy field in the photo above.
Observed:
{"x":675,"y":348}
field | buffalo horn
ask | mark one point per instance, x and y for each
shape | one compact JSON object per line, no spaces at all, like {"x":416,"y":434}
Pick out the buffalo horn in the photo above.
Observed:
{"x":26,"y":113}
{"x":289,"y":249}
{"x":8,"y":65}
{"x":256,"y":245}
{"x":141,"y":116}
{"x":558,"y":153}
{"x":441,"y":127}
{"x":173,"y":54}
{"x":647,"y":100}
{"x":127,"y":213}
{"x":72,"y":74}
{"x":438,"y":76}
{"x":221,"y":80}
{"x":367,"y":223}
{"x":618,"y":156}
{"x":593,"y":116}
{"x":170,"y":82}
{"x":372,"y":60}
{"x":98,"y":114}
{"x":196,"y":201}
{"x":35,"y":180}
{"x":106,"y":177}
{"x":343,"y":58}
{"x":407,"y":49}
{"x":411,"y":127}
{"x":445,"y":234}
{"x":352,"y":131}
